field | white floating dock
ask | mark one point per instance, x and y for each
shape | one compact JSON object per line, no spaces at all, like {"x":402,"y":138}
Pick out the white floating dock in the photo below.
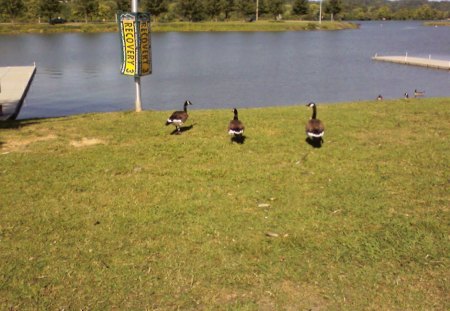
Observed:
{"x":14,"y":84}
{"x":415,"y":61}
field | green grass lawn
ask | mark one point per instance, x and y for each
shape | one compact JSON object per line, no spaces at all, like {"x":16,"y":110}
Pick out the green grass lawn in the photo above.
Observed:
{"x":111,"y":212}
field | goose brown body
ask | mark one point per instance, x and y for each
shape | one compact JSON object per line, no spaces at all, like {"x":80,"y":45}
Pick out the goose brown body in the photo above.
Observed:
{"x":235,"y":127}
{"x":178,"y":118}
{"x":418,"y":93}
{"x":314,"y":128}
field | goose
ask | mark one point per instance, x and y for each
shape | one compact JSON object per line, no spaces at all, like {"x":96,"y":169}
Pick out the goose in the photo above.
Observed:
{"x":418,"y":93}
{"x":235,"y":127}
{"x":380,"y":97}
{"x":179,"y":117}
{"x":314,"y":128}
{"x":406,"y":95}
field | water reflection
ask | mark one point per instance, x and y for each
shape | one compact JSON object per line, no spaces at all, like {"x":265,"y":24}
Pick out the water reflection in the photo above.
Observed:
{"x":80,"y":73}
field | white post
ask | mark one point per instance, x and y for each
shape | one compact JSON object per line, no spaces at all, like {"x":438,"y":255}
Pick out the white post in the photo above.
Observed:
{"x":320,"y":12}
{"x":137,"y":80}
{"x":257,"y":10}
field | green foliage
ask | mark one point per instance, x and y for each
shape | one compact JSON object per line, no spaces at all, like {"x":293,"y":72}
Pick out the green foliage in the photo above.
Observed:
{"x":155,"y":7}
{"x":204,"y":10}
{"x":191,"y":10}
{"x":12,"y":8}
{"x":213,"y":8}
{"x":246,"y":7}
{"x":123,"y":5}
{"x":300,"y":7}
{"x":228,"y":8}
{"x":333,"y":7}
{"x":49,"y":8}
{"x":275,"y":7}
{"x":111,"y":212}
{"x":86,"y":8}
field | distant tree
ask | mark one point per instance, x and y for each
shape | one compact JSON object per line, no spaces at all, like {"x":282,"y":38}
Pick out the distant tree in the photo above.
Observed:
{"x":425,"y":12}
{"x":357,"y":14}
{"x":229,"y":6}
{"x":191,"y":9}
{"x":384,"y":12}
{"x":49,"y":8}
{"x":123,"y":5}
{"x":246,"y":7}
{"x":85,"y":8}
{"x":107,"y":9}
{"x":300,"y":7}
{"x":263,"y":7}
{"x":12,"y":8}
{"x":333,"y":8}
{"x":156,"y":7}
{"x":403,"y":14}
{"x":275,"y":7}
{"x":213,"y":8}
{"x":32,"y":10}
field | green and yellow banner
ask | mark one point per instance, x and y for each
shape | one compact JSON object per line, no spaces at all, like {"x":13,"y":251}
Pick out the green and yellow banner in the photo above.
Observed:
{"x":134,"y":31}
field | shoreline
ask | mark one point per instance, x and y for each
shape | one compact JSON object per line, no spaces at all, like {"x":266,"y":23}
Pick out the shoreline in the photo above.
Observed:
{"x":44,"y":28}
{"x":220,"y":109}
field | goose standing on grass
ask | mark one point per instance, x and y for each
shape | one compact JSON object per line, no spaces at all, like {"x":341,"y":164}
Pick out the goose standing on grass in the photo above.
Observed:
{"x":418,"y":93}
{"x":314,"y":128}
{"x":236,"y":127}
{"x":179,"y":117}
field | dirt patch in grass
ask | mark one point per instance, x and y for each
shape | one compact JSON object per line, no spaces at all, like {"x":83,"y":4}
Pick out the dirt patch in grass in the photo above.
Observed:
{"x":290,"y":295}
{"x":86,"y":142}
{"x":302,"y":296}
{"x":20,"y":144}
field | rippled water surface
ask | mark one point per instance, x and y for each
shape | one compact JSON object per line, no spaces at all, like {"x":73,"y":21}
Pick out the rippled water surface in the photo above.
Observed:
{"x":79,"y":73}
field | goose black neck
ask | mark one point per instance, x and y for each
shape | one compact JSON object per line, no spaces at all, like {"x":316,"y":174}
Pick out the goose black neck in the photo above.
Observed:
{"x":314,"y":114}
{"x":185,"y":107}
{"x":235,"y":114}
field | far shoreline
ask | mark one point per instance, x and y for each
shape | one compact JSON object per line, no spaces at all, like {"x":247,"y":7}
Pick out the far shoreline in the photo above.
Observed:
{"x":228,"y":26}
{"x":232,"y":26}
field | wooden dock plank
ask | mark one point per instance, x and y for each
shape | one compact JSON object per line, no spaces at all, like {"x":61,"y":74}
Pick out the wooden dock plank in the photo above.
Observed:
{"x":14,"y":84}
{"x":415,"y":61}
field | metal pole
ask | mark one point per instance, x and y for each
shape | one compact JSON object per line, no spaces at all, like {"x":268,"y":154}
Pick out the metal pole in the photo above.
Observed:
{"x":320,"y":12}
{"x":137,"y":80}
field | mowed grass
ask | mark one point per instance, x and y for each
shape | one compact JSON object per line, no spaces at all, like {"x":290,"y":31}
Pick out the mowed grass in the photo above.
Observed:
{"x":111,"y":212}
{"x":262,"y":25}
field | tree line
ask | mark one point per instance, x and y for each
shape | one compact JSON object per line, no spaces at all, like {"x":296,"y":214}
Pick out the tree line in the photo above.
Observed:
{"x":223,"y":10}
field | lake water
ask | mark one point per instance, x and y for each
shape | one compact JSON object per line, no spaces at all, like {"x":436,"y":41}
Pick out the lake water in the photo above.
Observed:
{"x":78,"y":73}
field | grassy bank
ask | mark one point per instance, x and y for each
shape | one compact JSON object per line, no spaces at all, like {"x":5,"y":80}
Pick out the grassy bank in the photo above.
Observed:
{"x":179,"y":26}
{"x":255,"y":26}
{"x":438,"y":23}
{"x":111,"y":212}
